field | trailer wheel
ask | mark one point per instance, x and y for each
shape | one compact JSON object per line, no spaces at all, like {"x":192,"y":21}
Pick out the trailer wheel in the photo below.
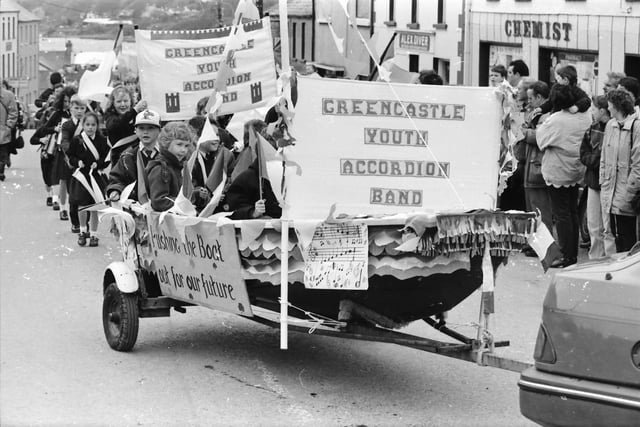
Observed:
{"x":120,"y":318}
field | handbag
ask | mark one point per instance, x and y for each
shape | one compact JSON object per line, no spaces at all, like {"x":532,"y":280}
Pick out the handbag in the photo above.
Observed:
{"x":18,"y":142}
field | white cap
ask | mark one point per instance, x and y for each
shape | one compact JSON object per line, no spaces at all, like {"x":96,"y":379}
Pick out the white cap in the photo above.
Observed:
{"x":148,"y":117}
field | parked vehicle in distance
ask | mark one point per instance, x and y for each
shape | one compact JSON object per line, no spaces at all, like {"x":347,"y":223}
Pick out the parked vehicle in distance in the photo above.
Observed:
{"x":587,"y":354}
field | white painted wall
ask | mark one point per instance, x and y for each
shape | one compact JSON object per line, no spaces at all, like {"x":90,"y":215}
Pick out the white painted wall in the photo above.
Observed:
{"x":585,"y":7}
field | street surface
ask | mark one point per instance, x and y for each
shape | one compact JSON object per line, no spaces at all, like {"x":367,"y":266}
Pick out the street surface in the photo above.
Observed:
{"x":210,"y":368}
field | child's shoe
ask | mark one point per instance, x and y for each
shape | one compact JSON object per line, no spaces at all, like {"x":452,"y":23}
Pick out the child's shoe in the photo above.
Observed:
{"x":56,"y":206}
{"x":49,"y":201}
{"x":64,"y":215}
{"x":82,"y":239}
{"x":93,"y":241}
{"x":75,"y":228}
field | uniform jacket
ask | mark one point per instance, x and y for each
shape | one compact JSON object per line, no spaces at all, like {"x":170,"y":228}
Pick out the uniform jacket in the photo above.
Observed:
{"x":68,"y":131}
{"x":244,"y":192}
{"x":197,"y":176}
{"x":126,"y":171}
{"x":620,"y":166}
{"x":560,"y":137}
{"x":78,"y":151}
{"x":590,"y":154}
{"x":164,"y":179}
{"x":8,"y":115}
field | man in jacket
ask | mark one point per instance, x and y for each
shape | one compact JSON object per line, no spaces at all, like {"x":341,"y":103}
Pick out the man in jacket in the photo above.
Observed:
{"x":8,"y":120}
{"x":535,"y":189}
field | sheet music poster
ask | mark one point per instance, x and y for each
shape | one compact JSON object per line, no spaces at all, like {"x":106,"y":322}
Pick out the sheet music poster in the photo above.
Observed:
{"x":337,"y":257}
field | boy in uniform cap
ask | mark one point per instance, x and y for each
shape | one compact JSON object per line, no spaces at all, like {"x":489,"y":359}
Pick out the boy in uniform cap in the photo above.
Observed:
{"x":147,"y":127}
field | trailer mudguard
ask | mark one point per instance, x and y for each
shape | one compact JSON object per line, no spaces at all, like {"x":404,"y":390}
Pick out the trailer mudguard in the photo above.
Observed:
{"x":121,"y":274}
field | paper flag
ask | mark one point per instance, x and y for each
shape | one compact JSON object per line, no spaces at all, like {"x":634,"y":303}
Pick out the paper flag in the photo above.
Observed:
{"x":337,"y":40}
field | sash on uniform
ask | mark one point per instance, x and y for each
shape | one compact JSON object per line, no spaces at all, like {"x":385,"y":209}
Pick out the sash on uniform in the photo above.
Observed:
{"x":92,"y":187}
{"x":90,"y":146}
{"x":121,"y":142}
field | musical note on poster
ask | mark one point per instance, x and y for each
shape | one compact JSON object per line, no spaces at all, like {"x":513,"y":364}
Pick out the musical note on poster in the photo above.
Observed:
{"x":337,"y":257}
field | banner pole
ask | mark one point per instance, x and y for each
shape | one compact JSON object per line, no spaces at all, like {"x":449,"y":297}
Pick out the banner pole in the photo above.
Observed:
{"x":284,"y":284}
{"x":284,"y":36}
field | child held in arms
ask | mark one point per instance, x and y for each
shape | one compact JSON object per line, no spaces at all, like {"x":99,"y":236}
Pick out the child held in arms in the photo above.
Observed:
{"x":164,"y":173}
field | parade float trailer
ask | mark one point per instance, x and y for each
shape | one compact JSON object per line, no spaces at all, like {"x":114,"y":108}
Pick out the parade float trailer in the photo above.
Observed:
{"x":388,"y":196}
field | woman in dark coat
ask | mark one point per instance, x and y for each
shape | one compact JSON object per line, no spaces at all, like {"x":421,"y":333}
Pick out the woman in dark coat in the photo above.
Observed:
{"x":88,"y":154}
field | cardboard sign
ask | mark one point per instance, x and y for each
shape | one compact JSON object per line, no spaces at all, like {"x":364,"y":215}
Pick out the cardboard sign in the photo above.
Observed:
{"x":178,"y":68}
{"x":358,"y":150}
{"x":338,"y":257}
{"x":201,"y":268}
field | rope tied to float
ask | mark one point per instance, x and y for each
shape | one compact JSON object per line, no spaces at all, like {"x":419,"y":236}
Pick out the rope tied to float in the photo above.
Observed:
{"x":317,"y":319}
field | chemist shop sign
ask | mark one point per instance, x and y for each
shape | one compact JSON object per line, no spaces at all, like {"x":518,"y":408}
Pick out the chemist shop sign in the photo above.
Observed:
{"x":538,"y":29}
{"x":416,"y":42}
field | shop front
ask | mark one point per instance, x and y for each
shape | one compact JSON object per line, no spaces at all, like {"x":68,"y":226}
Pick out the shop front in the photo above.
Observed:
{"x":594,"y":44}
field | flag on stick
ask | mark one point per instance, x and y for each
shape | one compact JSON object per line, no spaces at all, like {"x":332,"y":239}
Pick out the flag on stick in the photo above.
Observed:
{"x":543,"y":243}
{"x":117,"y":44}
{"x":216,"y":182}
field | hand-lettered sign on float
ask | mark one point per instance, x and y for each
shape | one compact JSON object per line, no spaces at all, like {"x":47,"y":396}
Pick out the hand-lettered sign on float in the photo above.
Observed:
{"x":201,"y":266}
{"x":358,"y":150}
{"x":178,"y":68}
{"x":338,"y":257}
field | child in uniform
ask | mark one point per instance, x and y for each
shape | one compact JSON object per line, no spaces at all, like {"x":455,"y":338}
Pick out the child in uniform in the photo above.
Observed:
{"x":70,"y":129}
{"x":119,"y":120}
{"x":164,"y":173}
{"x":126,"y":170}
{"x":88,"y":153}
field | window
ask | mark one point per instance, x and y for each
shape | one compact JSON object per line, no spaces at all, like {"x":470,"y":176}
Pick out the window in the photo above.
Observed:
{"x":13,"y":22}
{"x":302,"y":41}
{"x":293,"y":41}
{"x":440,"y":11}
{"x":363,"y":9}
{"x":392,"y":14}
{"x":414,"y":25}
{"x":414,"y":11}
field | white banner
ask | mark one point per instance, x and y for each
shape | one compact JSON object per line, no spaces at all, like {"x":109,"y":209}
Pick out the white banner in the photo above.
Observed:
{"x":178,"y":68}
{"x":358,"y":150}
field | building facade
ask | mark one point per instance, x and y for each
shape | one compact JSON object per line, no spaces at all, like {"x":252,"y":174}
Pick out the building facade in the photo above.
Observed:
{"x":426,"y":34}
{"x":9,"y":41}
{"x":20,"y":50}
{"x":596,"y":36}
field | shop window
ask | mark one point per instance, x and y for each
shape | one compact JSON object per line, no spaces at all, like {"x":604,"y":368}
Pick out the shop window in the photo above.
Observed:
{"x":391,"y":22}
{"x":414,"y":25}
